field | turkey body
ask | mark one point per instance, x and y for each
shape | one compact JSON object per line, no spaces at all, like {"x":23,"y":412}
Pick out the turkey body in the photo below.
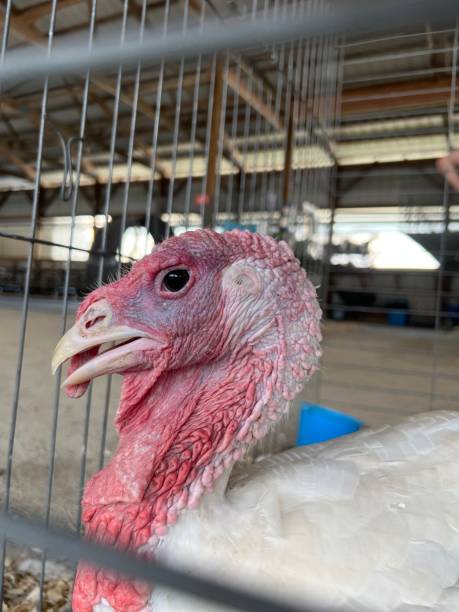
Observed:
{"x":367,"y":522}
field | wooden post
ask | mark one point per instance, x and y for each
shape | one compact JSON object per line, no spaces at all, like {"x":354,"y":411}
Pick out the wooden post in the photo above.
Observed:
{"x":212,"y":160}
{"x":288,"y":158}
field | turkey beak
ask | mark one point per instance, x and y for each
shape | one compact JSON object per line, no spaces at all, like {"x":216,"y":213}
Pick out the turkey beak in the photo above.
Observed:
{"x":84,"y":340}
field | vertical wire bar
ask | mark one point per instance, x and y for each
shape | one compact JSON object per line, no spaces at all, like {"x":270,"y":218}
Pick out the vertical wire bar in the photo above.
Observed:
{"x":309,"y":175}
{"x":299,"y":74}
{"x":127,"y":184}
{"x":285,"y":182}
{"x":316,"y":97}
{"x":25,"y":303}
{"x":264,"y":176}
{"x":273,"y":442}
{"x":319,"y":175}
{"x":301,"y":79}
{"x":287,"y":104}
{"x":221,"y":137}
{"x":305,"y":188}
{"x":155,"y":132}
{"x":178,"y":107}
{"x":311,"y":171}
{"x":304,"y":140}
{"x":333,"y":109}
{"x":276,"y":147}
{"x":446,"y":221}
{"x":233,"y":136}
{"x":291,"y":115}
{"x":103,"y":437}
{"x":132,"y":131}
{"x":334,"y":118}
{"x":267,"y":170}
{"x":106,"y":208}
{"x":207,"y":143}
{"x":254,"y":177}
{"x":194,"y":123}
{"x":302,"y":120}
{"x":274,"y":141}
{"x":321,"y":97}
{"x":246,"y":169}
{"x":57,"y":388}
{"x":245,"y":166}
{"x":6,"y":31}
{"x":112,"y":151}
{"x":329,"y":123}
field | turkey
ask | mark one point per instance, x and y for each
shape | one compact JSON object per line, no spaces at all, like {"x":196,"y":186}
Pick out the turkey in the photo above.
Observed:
{"x":215,"y":334}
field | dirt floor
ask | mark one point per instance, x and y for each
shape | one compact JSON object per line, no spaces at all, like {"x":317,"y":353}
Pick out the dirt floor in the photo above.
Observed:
{"x":35,"y":415}
{"x":375,"y":372}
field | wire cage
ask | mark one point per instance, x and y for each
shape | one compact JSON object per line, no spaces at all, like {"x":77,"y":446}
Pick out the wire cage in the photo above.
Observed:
{"x":393,"y":242}
{"x":123,"y":124}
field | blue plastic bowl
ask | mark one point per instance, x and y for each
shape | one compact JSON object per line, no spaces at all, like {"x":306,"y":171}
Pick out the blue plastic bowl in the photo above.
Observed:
{"x":318,"y":424}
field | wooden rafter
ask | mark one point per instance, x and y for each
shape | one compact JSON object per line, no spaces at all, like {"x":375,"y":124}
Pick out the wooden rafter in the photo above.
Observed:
{"x":246,"y":93}
{"x":22,"y":30}
{"x":149,"y":86}
{"x":113,"y":18}
{"x":127,"y":98}
{"x":27,"y":170}
{"x":31,"y":35}
{"x":30,"y":15}
{"x":34,"y":117}
{"x":392,"y":96}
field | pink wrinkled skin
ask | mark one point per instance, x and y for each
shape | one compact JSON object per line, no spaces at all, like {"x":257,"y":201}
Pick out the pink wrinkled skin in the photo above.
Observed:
{"x":240,"y":341}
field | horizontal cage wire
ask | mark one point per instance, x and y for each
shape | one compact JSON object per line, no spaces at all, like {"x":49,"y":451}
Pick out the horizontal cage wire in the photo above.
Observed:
{"x":124,"y":124}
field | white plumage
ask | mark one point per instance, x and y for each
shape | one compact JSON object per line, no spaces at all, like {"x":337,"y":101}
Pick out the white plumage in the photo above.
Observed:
{"x":370,"y":521}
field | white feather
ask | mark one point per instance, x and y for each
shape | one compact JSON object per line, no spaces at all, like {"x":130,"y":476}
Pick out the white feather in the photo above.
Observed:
{"x":370,"y":521}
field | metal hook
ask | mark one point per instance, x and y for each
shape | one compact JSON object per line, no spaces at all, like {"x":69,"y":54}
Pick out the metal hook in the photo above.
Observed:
{"x":67,"y":185}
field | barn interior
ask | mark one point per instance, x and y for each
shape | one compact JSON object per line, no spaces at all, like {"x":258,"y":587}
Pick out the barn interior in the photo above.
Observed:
{"x":330,"y":143}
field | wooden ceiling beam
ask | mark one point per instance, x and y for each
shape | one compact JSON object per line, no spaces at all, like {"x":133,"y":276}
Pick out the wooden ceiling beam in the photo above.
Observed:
{"x":114,"y":17}
{"x":240,"y":85}
{"x":127,"y":98}
{"x":22,"y":30}
{"x":35,"y":117}
{"x":31,"y":35}
{"x":393,"y":96}
{"x":135,"y":10}
{"x":26,"y":170}
{"x":29,"y":16}
{"x":149,"y":86}
{"x":246,"y":93}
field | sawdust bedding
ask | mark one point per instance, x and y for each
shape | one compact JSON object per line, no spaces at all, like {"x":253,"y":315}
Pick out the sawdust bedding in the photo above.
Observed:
{"x":22,"y":586}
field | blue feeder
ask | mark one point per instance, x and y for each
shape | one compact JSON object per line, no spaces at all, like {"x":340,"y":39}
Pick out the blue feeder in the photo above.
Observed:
{"x":230,"y":225}
{"x":318,"y":424}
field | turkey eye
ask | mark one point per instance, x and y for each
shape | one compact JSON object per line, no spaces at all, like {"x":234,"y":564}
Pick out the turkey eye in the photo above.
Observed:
{"x":175,"y":280}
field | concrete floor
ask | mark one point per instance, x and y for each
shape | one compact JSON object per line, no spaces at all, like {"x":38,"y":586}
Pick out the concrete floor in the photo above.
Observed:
{"x":376,"y":373}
